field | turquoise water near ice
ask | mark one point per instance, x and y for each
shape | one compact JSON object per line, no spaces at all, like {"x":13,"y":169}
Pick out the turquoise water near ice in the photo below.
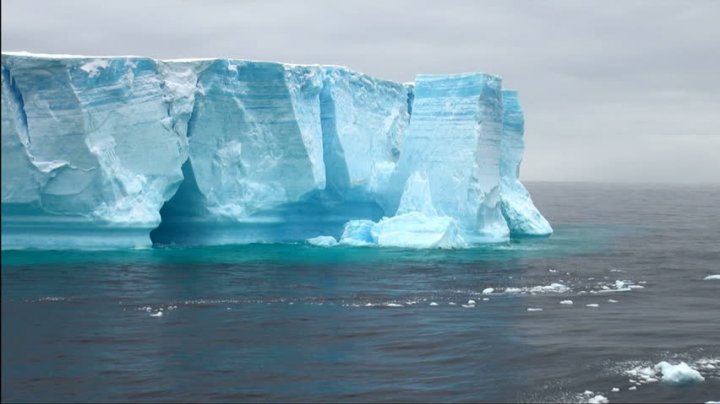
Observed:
{"x":293,"y":322}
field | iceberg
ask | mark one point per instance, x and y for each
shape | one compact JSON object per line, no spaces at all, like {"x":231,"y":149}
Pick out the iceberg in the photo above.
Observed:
{"x":117,"y":152}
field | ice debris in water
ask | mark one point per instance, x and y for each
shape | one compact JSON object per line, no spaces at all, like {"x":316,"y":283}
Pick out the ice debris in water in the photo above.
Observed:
{"x":592,"y":305}
{"x":156,"y":314}
{"x":615,"y":389}
{"x":682,"y":373}
{"x":552,"y":288}
{"x":471,"y":301}
{"x":612,"y":301}
{"x":712,"y":278}
{"x":598,"y":399}
{"x":534,"y":309}
{"x":566,"y":302}
{"x":488,"y":291}
{"x":433,"y":304}
{"x":323,"y":241}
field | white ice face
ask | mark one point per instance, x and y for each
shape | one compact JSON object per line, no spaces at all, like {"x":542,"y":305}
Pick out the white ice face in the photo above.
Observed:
{"x":521,"y":215}
{"x":285,"y":152}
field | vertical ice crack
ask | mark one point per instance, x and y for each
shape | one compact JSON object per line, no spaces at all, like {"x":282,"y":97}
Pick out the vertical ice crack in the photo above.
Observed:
{"x":19,"y":104}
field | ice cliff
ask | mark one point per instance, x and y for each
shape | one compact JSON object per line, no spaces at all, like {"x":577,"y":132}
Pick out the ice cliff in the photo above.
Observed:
{"x":127,"y":151}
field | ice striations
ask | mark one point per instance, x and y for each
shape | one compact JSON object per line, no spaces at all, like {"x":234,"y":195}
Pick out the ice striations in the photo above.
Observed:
{"x":112,"y":152}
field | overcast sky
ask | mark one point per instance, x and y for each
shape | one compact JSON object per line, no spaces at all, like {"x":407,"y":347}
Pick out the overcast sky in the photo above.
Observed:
{"x":612,"y":90}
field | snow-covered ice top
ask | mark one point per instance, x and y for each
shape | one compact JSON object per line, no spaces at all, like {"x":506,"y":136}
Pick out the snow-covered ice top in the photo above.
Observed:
{"x":224,"y":150}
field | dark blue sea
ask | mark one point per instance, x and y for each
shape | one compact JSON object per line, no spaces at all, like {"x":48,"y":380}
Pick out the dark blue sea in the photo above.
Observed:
{"x":272,"y":322}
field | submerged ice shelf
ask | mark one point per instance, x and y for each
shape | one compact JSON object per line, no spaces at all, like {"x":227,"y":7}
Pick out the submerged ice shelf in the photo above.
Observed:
{"x":130,"y":151}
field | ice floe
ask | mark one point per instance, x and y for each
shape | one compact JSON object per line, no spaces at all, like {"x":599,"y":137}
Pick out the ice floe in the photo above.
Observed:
{"x":598,"y":399}
{"x":566,"y":302}
{"x":712,"y":278}
{"x":534,"y":309}
{"x":323,"y":241}
{"x":540,"y":289}
{"x":678,"y":374}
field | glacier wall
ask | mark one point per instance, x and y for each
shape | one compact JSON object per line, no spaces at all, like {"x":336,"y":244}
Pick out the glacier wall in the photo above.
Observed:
{"x":126,"y":151}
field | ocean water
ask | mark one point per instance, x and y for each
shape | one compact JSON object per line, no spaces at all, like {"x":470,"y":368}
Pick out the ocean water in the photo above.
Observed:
{"x":270,"y":322}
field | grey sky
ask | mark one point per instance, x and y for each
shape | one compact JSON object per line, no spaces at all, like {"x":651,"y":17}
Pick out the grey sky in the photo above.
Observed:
{"x":612,"y":90}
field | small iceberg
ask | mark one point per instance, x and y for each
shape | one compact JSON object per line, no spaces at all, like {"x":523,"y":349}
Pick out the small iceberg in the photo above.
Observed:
{"x":712,"y":278}
{"x":679,"y":374}
{"x":323,"y":241}
{"x":598,"y":399}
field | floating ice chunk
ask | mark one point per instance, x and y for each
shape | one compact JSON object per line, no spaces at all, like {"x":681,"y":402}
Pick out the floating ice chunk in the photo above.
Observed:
{"x":681,"y":373}
{"x":468,"y":306}
{"x":598,"y":399}
{"x":632,"y":388}
{"x":485,"y":299}
{"x":513,"y":290}
{"x":394,"y":305}
{"x":418,"y":230}
{"x":433,"y":304}
{"x":588,"y":393}
{"x":534,"y":309}
{"x":452,"y":304}
{"x":592,"y":305}
{"x":712,"y":278}
{"x":488,"y":291}
{"x":323,"y":241}
{"x":552,"y":288}
{"x":471,"y":301}
{"x":156,"y":314}
{"x":615,"y":389}
{"x":612,"y":301}
{"x":566,"y":302}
